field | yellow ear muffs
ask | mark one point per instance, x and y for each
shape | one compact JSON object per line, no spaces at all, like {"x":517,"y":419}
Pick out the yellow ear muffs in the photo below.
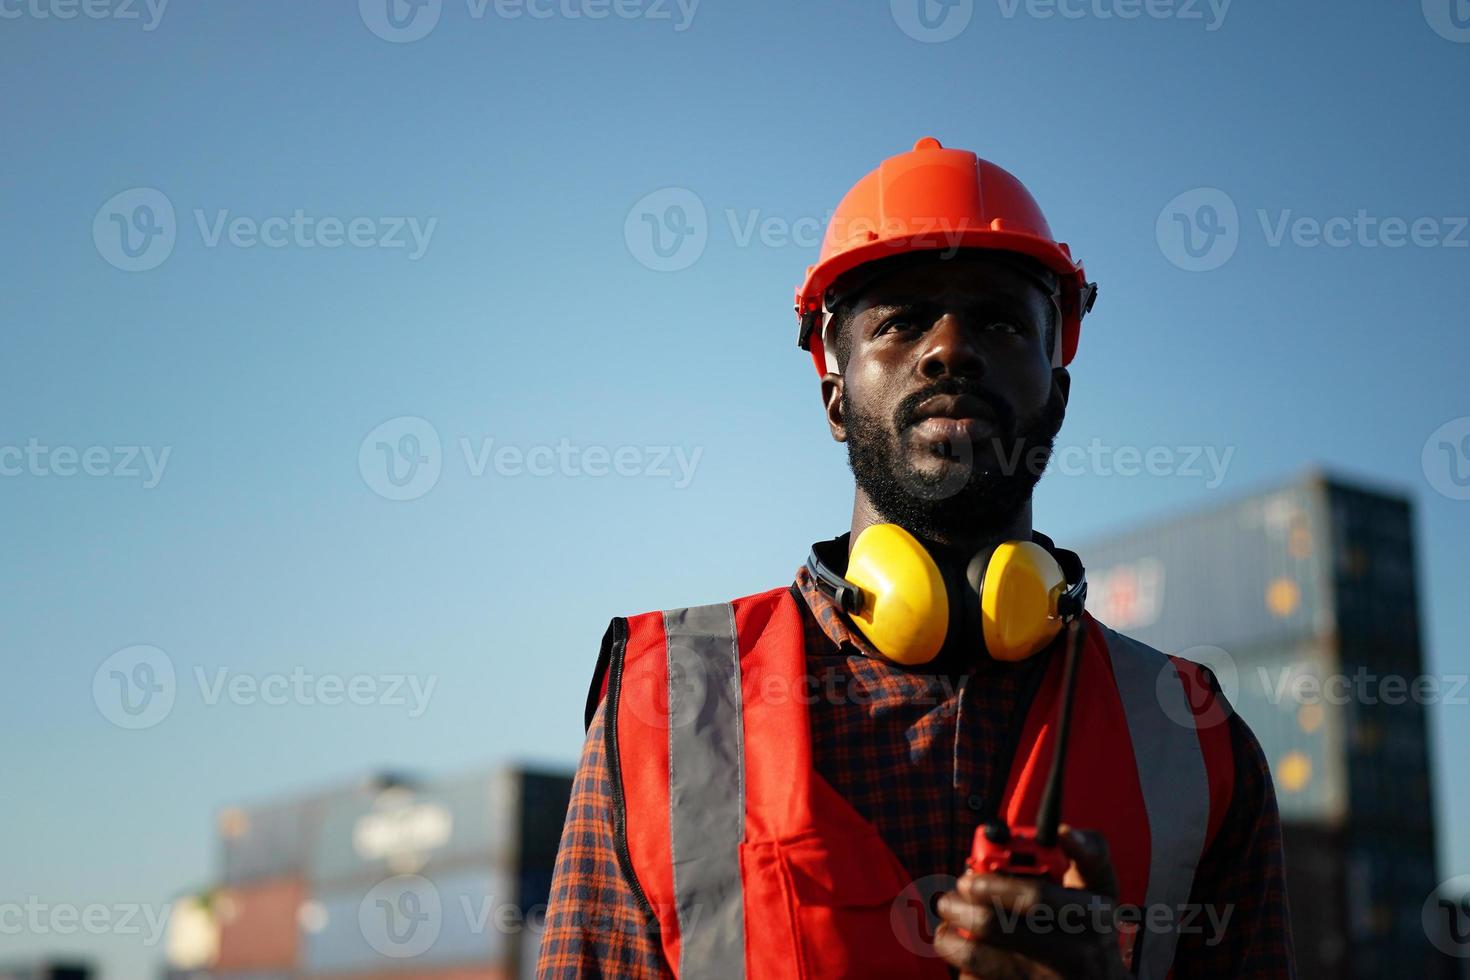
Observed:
{"x":1018,"y":600}
{"x":904,"y":610}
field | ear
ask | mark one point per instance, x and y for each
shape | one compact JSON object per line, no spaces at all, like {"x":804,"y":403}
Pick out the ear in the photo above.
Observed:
{"x":832,"y":399}
{"x":1061,"y":378}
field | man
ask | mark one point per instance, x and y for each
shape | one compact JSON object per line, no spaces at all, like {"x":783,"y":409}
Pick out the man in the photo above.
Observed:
{"x":790,"y":784}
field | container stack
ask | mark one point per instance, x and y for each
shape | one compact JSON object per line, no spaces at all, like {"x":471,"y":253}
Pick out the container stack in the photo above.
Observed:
{"x":1303,"y":602}
{"x":443,"y":880}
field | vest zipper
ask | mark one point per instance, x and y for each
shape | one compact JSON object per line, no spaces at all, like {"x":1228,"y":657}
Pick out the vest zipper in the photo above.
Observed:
{"x":615,"y":767}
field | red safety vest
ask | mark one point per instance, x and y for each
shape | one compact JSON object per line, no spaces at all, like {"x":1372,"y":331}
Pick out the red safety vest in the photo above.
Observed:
{"x":754,"y":866}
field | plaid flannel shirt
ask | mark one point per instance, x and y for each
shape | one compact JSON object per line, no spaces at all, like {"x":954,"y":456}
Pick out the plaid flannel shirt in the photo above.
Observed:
{"x":914,"y":753}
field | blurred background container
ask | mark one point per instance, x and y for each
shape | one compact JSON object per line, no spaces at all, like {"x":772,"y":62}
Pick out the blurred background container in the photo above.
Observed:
{"x":445,"y":879}
{"x":1303,"y":601}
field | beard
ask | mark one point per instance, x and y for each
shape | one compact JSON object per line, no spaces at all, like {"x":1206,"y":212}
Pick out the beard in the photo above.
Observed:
{"x":978,"y":489}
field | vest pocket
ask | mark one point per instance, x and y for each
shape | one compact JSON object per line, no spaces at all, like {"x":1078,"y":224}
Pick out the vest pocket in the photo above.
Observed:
{"x":851,"y":909}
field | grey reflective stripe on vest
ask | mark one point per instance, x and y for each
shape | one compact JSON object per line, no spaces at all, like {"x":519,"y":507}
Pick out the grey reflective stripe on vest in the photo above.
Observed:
{"x":1176,"y":794}
{"x":706,"y":789}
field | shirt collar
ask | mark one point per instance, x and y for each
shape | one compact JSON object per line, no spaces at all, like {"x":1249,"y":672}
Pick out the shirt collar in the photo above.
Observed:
{"x":829,"y":617}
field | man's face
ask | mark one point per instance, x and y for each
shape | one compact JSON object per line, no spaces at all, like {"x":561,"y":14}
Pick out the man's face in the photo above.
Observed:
{"x":948,"y":401}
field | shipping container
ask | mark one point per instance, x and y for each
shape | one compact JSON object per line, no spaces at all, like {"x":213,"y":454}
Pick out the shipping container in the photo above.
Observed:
{"x":544,"y":800}
{"x":1315,"y":875}
{"x":265,"y":842}
{"x":510,"y":818}
{"x":1289,"y":697}
{"x":412,"y":924}
{"x":1304,"y":601}
{"x":258,"y":926}
{"x":1248,"y":574}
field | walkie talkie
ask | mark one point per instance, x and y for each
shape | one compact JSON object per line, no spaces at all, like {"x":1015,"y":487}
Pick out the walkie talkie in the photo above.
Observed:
{"x":1034,"y":851}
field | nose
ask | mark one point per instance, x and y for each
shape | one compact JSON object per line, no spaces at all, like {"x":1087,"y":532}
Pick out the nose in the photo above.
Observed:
{"x":951,"y":350}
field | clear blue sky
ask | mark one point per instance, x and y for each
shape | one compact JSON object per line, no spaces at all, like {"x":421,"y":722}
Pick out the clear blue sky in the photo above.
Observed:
{"x":534,"y":315}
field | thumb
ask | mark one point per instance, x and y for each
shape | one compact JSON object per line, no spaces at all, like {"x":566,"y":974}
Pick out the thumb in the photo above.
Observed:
{"x":1091,"y":860}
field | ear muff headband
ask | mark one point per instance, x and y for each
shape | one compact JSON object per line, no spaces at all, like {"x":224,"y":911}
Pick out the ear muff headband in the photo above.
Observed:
{"x":895,"y":593}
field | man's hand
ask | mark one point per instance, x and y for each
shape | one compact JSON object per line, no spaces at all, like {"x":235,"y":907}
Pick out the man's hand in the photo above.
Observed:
{"x":996,"y":927}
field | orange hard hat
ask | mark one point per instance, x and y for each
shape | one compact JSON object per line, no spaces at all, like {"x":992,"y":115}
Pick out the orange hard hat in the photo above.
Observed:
{"x":933,"y":199}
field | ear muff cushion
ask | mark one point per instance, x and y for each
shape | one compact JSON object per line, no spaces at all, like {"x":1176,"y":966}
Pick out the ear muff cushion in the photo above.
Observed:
{"x":905,"y":608}
{"x":1018,"y":600}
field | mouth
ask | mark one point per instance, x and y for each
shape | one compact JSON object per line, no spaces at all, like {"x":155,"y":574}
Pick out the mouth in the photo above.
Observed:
{"x":953,"y":417}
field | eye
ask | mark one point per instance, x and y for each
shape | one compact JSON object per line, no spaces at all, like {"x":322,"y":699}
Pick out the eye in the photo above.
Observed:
{"x":900,"y":323}
{"x":1004,"y":327}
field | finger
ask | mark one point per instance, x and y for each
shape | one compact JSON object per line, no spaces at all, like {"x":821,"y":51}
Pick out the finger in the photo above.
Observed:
{"x":1008,"y":893}
{"x":1034,"y":918}
{"x":971,"y":957}
{"x":1089,"y":852}
{"x":976,"y":919}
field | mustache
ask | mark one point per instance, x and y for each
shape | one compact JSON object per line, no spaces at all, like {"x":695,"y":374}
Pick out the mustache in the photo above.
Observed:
{"x":907,"y":412}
